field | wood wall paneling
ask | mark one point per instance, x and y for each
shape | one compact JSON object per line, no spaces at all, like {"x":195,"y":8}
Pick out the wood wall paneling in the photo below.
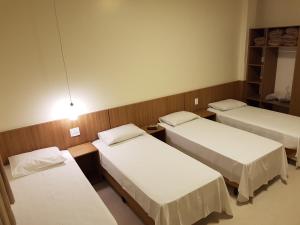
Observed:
{"x":55,"y":133}
{"x":90,"y":124}
{"x":146,"y":113}
{"x":211,"y":94}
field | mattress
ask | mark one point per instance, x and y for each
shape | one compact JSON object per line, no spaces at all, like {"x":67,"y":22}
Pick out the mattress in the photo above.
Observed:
{"x":60,"y":195}
{"x":171,"y":187}
{"x":244,"y":158}
{"x":280,"y":127}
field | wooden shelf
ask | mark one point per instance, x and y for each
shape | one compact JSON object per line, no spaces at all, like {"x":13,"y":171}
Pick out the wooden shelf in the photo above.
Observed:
{"x":262,"y":70}
{"x":254,"y":98}
{"x":257,"y":46}
{"x":258,"y":65}
{"x":283,"y":46}
{"x":254,"y":82}
{"x":257,"y":33}
{"x":255,"y":56}
{"x":277,"y":103}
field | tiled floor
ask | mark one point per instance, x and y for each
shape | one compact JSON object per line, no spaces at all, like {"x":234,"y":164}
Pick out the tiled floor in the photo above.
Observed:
{"x":121,"y":212}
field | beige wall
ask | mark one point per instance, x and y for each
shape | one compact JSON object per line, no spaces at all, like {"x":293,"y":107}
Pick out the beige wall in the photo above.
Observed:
{"x":278,"y":13}
{"x":247,"y":20}
{"x":117,"y":52}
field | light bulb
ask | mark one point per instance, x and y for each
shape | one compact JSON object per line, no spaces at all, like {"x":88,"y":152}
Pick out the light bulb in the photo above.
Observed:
{"x":64,"y":109}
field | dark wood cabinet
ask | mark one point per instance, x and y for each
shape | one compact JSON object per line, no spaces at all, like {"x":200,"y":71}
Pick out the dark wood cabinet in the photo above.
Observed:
{"x":263,"y":51}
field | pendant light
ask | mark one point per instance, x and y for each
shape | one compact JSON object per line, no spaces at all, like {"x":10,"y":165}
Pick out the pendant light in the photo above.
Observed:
{"x":72,"y":114}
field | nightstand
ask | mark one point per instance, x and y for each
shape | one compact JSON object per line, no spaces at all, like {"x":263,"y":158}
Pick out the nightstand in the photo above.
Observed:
{"x":159,"y":133}
{"x":206,"y":114}
{"x":87,"y":157}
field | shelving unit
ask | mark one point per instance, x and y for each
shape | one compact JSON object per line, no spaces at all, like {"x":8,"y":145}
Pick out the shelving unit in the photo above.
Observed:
{"x":262,"y":68}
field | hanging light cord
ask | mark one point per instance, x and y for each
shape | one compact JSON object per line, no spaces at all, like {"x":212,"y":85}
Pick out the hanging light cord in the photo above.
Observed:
{"x":62,"y":53}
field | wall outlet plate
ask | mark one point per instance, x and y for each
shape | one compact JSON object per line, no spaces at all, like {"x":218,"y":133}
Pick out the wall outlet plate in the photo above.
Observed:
{"x":74,"y":132}
{"x":196,"y":101}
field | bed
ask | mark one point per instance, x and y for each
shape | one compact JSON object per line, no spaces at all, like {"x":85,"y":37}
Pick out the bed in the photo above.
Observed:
{"x":58,"y":195}
{"x":171,"y":187}
{"x":243,"y":158}
{"x":280,"y":127}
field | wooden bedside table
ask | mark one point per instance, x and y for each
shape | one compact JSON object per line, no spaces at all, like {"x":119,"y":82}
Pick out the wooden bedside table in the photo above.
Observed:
{"x":87,"y":157}
{"x":206,"y":114}
{"x":159,"y":133}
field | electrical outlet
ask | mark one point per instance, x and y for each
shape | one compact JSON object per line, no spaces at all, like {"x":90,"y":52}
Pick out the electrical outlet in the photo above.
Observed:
{"x":196,"y":101}
{"x":74,"y":132}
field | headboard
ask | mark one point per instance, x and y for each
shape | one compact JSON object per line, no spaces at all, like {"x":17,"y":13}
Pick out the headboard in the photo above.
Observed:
{"x":212,"y":94}
{"x":146,"y":113}
{"x":55,"y":133}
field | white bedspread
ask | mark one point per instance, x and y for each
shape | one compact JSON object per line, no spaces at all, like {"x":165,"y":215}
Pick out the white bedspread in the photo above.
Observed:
{"x":242,"y":157}
{"x":173,"y":188}
{"x":60,"y":195}
{"x":280,"y":127}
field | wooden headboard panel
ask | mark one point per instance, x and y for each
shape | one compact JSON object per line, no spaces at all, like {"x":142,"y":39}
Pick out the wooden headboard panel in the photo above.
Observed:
{"x":212,"y":94}
{"x":145,"y":113}
{"x":55,"y":133}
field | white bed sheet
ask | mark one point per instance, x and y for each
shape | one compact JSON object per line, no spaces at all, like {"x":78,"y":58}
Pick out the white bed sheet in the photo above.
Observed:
{"x":277,"y":126}
{"x":242,"y":157}
{"x":173,"y":188}
{"x":59,"y":195}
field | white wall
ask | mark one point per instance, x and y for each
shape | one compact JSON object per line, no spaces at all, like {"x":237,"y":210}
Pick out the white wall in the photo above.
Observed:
{"x":117,"y":52}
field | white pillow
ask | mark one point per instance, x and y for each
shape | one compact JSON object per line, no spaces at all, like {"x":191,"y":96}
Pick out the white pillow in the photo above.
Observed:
{"x":120,"y":134}
{"x":31,"y":162}
{"x":226,"y":105}
{"x":177,"y":118}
